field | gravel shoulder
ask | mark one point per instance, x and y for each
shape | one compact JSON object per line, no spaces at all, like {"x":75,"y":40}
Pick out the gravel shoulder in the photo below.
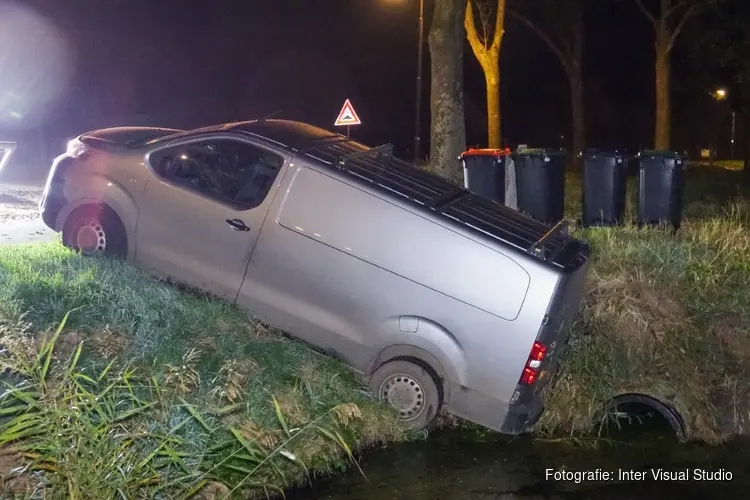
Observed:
{"x":19,"y":203}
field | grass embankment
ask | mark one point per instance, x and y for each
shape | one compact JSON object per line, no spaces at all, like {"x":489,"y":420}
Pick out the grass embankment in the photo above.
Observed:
{"x":666,"y":316}
{"x":173,"y":393}
{"x":149,"y":391}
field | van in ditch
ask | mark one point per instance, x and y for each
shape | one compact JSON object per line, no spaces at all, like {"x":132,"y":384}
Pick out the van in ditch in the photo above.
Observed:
{"x":440,"y":298}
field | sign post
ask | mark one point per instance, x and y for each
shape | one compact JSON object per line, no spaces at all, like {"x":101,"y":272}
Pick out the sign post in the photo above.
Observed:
{"x":347,"y":117}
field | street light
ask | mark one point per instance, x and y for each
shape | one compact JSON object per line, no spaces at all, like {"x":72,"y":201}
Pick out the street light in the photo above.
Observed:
{"x":417,"y":119}
{"x":418,"y":113}
{"x":721,"y":94}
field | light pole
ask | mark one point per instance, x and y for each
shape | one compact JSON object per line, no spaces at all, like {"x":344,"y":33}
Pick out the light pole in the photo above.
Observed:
{"x":418,"y":115}
{"x":721,"y":95}
{"x":731,"y":141}
{"x":418,"y":112}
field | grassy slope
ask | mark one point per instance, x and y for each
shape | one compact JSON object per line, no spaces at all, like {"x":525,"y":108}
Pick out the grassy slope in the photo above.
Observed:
{"x":661,"y":315}
{"x":667,"y":316}
{"x":227,"y":370}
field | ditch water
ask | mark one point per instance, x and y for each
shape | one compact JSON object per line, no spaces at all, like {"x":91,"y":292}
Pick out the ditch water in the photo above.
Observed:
{"x":464,"y":466}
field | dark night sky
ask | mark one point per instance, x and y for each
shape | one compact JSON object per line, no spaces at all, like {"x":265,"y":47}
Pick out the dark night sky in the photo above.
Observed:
{"x":188,"y":63}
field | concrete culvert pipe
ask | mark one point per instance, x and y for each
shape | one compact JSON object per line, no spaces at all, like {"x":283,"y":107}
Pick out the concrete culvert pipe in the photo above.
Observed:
{"x":640,"y":405}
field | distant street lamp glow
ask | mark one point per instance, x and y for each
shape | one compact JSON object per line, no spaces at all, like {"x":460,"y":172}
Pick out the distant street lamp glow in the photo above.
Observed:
{"x":720,"y":94}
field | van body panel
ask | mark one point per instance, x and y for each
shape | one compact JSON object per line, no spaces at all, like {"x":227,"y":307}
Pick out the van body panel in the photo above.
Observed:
{"x":376,"y":231}
{"x":352,"y":308}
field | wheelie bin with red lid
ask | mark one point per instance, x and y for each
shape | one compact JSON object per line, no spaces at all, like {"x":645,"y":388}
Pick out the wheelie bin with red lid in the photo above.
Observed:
{"x":485,"y":172}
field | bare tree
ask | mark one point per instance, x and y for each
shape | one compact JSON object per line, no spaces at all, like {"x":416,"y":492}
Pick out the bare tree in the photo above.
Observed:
{"x":560,"y":26}
{"x":448,"y":129}
{"x":668,"y":23}
{"x":486,"y":47}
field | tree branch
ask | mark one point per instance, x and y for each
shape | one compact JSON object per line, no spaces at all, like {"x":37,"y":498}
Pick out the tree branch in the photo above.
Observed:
{"x":564,"y":58}
{"x":499,"y":26}
{"x":480,"y":51}
{"x":646,"y":12}
{"x":679,"y":5}
{"x":678,"y":28}
{"x":484,"y":21}
{"x":471,"y":33}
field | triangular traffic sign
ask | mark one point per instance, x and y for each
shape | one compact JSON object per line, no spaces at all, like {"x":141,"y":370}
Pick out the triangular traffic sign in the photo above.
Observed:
{"x":347,"y":116}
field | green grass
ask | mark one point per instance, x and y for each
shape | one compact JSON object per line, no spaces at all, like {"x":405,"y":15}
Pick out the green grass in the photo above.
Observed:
{"x":117,"y":385}
{"x":666,"y":315}
{"x":149,"y":391}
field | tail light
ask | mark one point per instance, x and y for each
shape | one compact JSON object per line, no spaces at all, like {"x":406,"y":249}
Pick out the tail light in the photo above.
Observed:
{"x":531,"y":370}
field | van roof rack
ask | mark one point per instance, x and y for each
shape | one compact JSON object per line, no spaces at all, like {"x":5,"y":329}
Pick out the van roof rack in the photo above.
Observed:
{"x":540,"y":249}
{"x":532,"y":237}
{"x":382,"y":150}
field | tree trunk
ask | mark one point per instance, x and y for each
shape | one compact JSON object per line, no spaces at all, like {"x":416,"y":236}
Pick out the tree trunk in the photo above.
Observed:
{"x":447,"y":124}
{"x":577,"y":113}
{"x":662,"y":130}
{"x":492,"y":77}
{"x":487,"y":53}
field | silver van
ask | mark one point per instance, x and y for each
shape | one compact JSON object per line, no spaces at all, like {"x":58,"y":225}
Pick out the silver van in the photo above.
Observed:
{"x":440,"y":298}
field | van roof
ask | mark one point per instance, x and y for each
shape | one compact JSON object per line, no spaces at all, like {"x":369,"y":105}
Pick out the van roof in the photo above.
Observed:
{"x":294,"y":135}
{"x":377,"y":166}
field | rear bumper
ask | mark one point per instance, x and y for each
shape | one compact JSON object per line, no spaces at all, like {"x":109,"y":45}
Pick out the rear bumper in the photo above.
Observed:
{"x":509,"y":417}
{"x":53,"y":200}
{"x":50,"y":207}
{"x":521,"y":416}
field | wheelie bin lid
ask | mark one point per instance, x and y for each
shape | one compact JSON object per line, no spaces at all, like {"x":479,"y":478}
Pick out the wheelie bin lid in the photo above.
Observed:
{"x":546,"y":154}
{"x":653,"y":153}
{"x":605,"y":153}
{"x":540,"y":152}
{"x":497,"y":153}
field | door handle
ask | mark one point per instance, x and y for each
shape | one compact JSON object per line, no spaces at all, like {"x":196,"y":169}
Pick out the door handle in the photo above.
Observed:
{"x":237,"y":225}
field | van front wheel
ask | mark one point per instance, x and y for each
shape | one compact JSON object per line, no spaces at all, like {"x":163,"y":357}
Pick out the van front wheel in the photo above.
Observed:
{"x":410,"y":389}
{"x":95,"y":229}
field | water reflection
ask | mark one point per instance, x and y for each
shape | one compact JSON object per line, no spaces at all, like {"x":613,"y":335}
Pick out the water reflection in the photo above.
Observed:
{"x":459,"y":465}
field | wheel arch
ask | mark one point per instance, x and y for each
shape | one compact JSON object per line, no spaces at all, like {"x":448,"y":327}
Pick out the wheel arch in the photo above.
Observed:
{"x":124,"y":209}
{"x":406,"y":352}
{"x":82,"y":204}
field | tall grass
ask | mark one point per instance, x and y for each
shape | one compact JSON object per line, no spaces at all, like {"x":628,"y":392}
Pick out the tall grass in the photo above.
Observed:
{"x":667,"y":316}
{"x":145,"y":391}
{"x":119,"y":386}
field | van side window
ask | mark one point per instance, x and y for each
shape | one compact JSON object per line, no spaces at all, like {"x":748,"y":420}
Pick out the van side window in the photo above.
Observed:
{"x":230,"y":171}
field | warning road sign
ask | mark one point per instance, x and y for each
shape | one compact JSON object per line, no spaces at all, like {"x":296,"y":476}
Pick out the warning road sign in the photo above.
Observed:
{"x":347,"y":116}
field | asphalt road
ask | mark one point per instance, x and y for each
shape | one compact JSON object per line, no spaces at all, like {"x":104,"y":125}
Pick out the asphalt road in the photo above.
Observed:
{"x":19,"y":215}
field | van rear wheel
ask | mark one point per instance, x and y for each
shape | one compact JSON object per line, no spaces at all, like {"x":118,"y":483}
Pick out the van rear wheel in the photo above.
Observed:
{"x":410,"y":389}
